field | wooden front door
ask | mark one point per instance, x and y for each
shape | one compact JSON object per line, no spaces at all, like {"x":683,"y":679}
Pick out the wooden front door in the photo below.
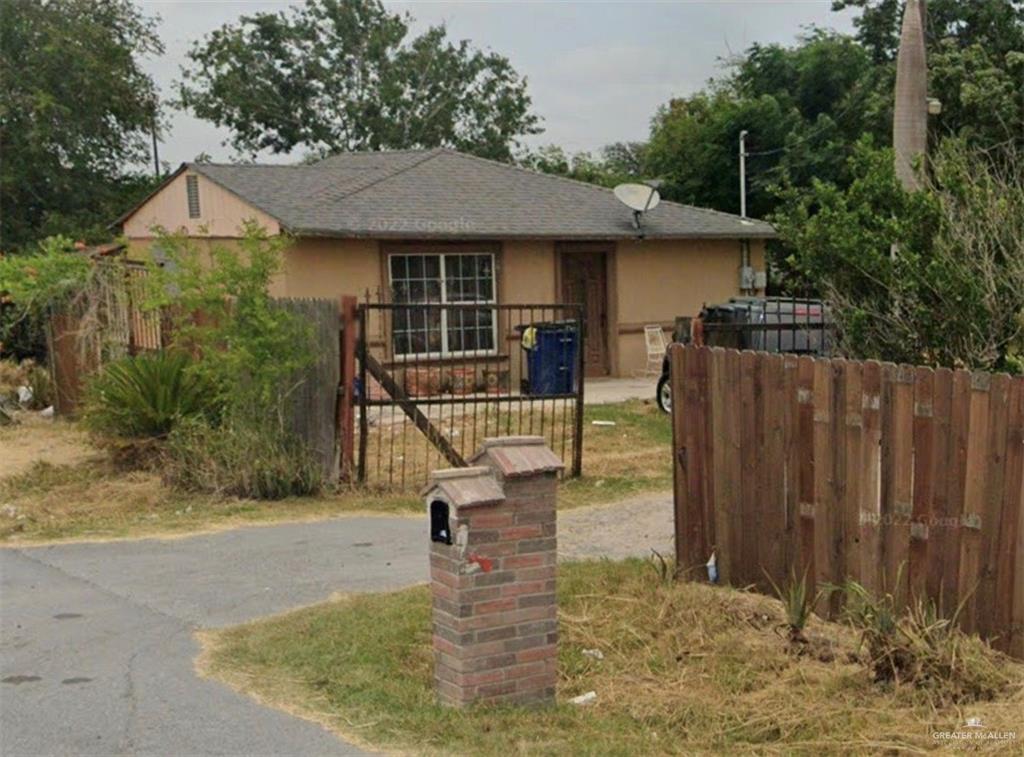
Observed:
{"x":584,"y":282}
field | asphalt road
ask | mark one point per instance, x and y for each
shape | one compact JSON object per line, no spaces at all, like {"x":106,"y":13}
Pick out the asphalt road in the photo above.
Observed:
{"x":96,"y":640}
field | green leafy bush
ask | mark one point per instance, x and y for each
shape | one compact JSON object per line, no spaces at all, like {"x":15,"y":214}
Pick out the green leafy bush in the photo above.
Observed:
{"x":246,"y":459}
{"x":146,"y":395}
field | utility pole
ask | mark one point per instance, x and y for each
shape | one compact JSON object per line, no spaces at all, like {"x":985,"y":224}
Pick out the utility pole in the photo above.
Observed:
{"x":743,"y":173}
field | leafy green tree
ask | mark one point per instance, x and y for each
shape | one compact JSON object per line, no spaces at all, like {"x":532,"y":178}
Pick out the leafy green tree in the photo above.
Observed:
{"x":347,"y":75}
{"x":933,"y":277}
{"x":76,"y":112}
{"x":614,"y":164}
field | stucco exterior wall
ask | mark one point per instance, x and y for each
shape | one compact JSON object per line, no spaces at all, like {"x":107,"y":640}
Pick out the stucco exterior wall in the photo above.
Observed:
{"x":656,"y":281}
{"x":221,"y":213}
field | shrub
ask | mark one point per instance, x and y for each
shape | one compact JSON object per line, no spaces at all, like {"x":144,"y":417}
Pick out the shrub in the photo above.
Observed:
{"x":241,"y":459}
{"x":918,"y":647}
{"x":146,"y":395}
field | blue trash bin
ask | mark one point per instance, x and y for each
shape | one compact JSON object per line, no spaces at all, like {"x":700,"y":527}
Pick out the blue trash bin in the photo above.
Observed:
{"x":551,"y":361}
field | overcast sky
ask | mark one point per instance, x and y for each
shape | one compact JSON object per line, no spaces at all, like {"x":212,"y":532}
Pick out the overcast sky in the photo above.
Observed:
{"x":597,"y":70}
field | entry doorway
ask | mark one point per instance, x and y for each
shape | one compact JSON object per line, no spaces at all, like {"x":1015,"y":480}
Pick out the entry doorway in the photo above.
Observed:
{"x":585,"y":282}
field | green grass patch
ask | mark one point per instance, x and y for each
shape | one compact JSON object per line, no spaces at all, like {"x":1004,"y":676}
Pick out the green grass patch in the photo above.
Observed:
{"x":687,"y":668}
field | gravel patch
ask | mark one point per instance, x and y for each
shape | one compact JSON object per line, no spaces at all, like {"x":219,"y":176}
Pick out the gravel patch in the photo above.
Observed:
{"x":630,"y":528}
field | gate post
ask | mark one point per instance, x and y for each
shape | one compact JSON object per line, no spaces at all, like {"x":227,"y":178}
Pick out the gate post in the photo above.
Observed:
{"x":346,"y":390}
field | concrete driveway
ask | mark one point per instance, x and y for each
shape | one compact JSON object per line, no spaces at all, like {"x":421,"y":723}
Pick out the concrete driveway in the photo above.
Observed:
{"x":96,"y":640}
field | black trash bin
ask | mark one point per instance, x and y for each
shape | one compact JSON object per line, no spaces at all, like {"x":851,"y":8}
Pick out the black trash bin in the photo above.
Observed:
{"x":552,"y":355}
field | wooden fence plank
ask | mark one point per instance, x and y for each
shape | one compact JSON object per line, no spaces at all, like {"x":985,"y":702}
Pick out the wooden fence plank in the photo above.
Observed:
{"x":973,"y":512}
{"x":940,"y":531}
{"x":677,"y":369}
{"x":871,"y":477}
{"x":791,"y":466}
{"x":732,"y":430}
{"x":721,"y":450}
{"x":805,"y":450}
{"x":772,"y":512}
{"x":1008,"y":613}
{"x":992,"y":505}
{"x":750,"y":451}
{"x":850,"y":481}
{"x":897,"y":473}
{"x":823,"y":471}
{"x":924,"y":483}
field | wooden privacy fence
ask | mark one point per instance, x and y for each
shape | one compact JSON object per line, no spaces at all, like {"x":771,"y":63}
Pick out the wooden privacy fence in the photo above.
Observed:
{"x":906,"y":479}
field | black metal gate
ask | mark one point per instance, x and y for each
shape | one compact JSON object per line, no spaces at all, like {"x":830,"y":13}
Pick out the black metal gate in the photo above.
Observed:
{"x":436,"y":379}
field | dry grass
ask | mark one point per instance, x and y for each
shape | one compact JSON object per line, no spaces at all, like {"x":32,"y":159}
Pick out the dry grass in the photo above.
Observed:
{"x":94,"y":500}
{"x":687,"y":668}
{"x":630,"y":457}
{"x":33,"y":439}
{"x":55,"y":485}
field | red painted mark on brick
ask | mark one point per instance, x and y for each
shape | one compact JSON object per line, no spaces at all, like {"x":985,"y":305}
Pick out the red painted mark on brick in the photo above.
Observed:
{"x":485,"y":563}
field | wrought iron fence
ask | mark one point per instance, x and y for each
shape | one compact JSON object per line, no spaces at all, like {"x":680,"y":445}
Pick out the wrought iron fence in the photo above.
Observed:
{"x":436,"y":379}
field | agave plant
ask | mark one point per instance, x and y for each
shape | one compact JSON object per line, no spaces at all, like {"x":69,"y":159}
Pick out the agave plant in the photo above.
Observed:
{"x":146,"y":395}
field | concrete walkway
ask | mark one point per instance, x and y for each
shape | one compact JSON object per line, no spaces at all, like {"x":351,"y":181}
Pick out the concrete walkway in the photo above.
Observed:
{"x":96,"y":640}
{"x":605,"y":391}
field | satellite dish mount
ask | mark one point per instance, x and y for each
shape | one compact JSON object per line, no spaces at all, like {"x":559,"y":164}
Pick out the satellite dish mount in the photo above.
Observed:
{"x":639,"y":198}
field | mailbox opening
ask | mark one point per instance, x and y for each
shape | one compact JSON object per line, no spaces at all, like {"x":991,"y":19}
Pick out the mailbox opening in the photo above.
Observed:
{"x":439,"y":529}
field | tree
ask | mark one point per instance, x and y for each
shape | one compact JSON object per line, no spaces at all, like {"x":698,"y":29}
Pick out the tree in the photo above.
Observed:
{"x":954,"y":295}
{"x":76,"y":112}
{"x":346,"y":75}
{"x":616,"y":163}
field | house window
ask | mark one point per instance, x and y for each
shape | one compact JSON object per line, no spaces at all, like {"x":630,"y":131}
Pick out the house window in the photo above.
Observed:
{"x":457,"y":278}
{"x":192,"y":189}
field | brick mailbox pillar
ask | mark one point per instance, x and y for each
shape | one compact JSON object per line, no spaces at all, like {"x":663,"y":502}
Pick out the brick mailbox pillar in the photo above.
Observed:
{"x":492,"y":570}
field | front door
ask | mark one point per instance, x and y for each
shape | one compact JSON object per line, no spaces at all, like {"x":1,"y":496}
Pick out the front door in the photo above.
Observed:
{"x":584,"y":282}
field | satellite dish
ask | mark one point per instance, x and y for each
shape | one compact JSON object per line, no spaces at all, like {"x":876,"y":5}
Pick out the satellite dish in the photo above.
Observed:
{"x":639,"y":198}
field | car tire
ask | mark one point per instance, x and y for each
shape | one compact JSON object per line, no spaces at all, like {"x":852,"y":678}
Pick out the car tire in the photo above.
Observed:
{"x":664,"y":394}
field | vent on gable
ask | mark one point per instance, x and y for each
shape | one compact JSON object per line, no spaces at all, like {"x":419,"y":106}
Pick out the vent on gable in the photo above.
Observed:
{"x":192,"y":189}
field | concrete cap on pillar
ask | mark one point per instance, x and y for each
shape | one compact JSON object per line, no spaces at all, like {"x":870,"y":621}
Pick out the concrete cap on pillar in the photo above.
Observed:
{"x":465,"y":487}
{"x":516,"y":456}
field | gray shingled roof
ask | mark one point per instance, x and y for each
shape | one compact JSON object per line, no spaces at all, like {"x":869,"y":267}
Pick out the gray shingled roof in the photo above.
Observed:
{"x":443,"y":193}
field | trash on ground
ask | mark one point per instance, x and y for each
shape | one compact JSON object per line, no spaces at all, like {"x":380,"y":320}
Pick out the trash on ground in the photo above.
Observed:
{"x":589,"y":698}
{"x":597,"y":654}
{"x":602,"y":423}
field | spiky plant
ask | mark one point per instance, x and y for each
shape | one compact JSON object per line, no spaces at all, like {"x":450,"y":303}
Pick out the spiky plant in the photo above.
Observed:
{"x":146,"y":395}
{"x":799,"y":600}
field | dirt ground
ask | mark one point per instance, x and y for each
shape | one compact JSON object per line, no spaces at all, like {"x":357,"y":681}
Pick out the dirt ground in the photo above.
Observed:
{"x":35,"y":438}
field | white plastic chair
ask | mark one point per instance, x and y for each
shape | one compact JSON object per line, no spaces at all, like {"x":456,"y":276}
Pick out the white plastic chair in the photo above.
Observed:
{"x":657,"y":346}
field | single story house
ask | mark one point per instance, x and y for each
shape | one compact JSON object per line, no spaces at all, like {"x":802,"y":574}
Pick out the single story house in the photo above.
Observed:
{"x":415,"y":225}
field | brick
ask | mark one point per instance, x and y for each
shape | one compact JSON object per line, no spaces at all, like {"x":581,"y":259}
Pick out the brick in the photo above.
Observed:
{"x":527,"y":642}
{"x":490,"y":519}
{"x":537,"y":627}
{"x":524,"y":670}
{"x":523,"y":561}
{"x":526,"y":587}
{"x":521,"y":532}
{"x":543,"y":517}
{"x":493,"y":578}
{"x":495,"y":605}
{"x":496,"y":634}
{"x":536,"y":600}
{"x":527,"y":546}
{"x":537,"y":653}
{"x":483,"y":536}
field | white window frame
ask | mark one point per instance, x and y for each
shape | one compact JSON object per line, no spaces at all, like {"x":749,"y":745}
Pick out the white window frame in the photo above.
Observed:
{"x":445,"y":352}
